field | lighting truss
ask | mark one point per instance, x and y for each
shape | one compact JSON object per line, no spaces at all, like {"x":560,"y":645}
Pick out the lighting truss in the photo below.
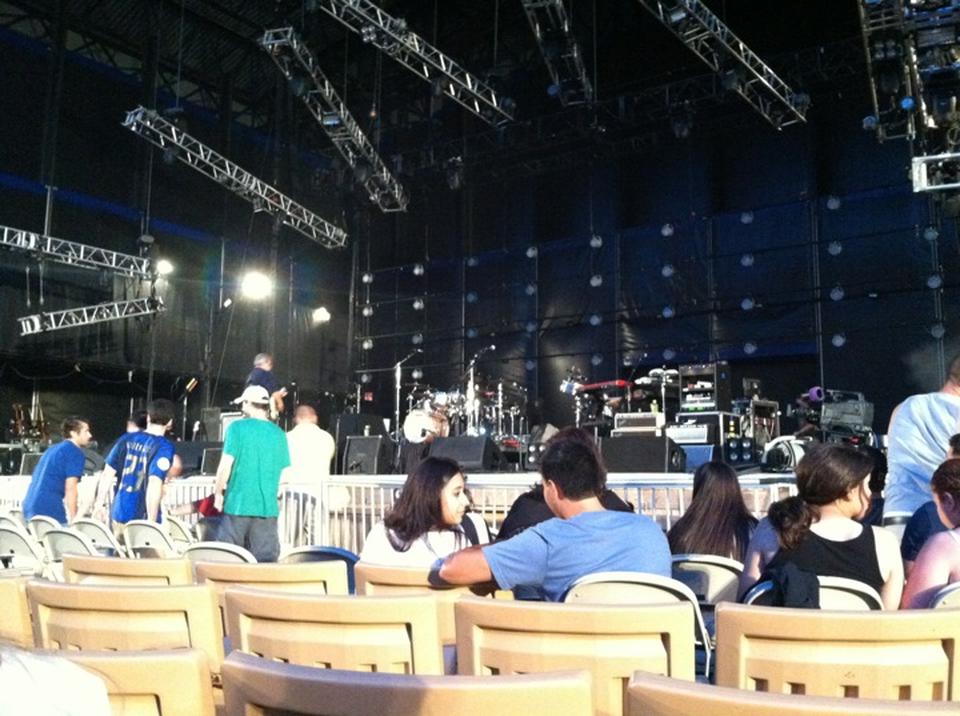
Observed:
{"x":938,"y":172}
{"x":391,"y":35}
{"x":561,"y":53}
{"x":888,"y":52}
{"x":75,"y":254}
{"x":292,"y":57}
{"x":166,"y":135}
{"x":88,"y":315}
{"x":714,"y":43}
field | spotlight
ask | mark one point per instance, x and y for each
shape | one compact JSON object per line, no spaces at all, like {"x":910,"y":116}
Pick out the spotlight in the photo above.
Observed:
{"x":531,"y":252}
{"x":667,"y":312}
{"x":416,"y":339}
{"x":746,"y":217}
{"x":596,"y":241}
{"x":596,"y":359}
{"x":531,"y":289}
{"x":931,"y":233}
{"x":595,"y":320}
{"x":934,"y":281}
{"x":416,"y":374}
{"x":746,"y":260}
{"x":256,"y":285}
{"x":321,"y":315}
{"x":667,"y":270}
{"x":837,"y":293}
{"x":418,"y":304}
{"x":747,"y":303}
{"x":834,"y":248}
{"x":367,"y":344}
{"x":164,"y":267}
{"x":531,"y":326}
{"x":367,"y":278}
{"x":418,"y":269}
{"x":596,"y":280}
{"x":749,"y":348}
{"x":367,"y":311}
{"x":473,"y":261}
{"x":666,"y":230}
{"x":833,"y":203}
{"x":471,"y":333}
{"x":365,"y":378}
{"x":368,"y":33}
{"x":472,"y":297}
{"x":530,"y":365}
{"x":870,"y":123}
{"x":669,"y":354}
{"x":938,"y":331}
{"x":908,"y":104}
{"x":227,"y":302}
{"x":839,"y":340}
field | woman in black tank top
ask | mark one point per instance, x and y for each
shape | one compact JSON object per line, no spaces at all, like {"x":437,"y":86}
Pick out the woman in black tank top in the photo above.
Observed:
{"x":817,"y":531}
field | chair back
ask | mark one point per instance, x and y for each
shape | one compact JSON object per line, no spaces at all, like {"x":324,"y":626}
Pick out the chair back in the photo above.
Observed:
{"x":375,"y":579}
{"x":24,"y":553}
{"x":100,"y":535}
{"x":253,"y":685}
{"x":949,"y":596}
{"x":837,"y":593}
{"x":152,"y":683}
{"x":641,"y":588}
{"x":653,"y":695}
{"x":79,"y":616}
{"x":8,"y":520}
{"x":143,"y":538}
{"x":38,"y":525}
{"x":390,"y":634}
{"x":15,"y":627}
{"x":120,"y":571}
{"x":218,"y":552}
{"x":316,"y":553}
{"x":610,"y":640}
{"x":906,"y":655}
{"x":60,"y":541}
{"x":180,"y":534}
{"x":17,"y":514}
{"x":712,"y":578}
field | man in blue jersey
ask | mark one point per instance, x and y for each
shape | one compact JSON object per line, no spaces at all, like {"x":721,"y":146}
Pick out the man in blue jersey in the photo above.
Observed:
{"x":583,"y":538}
{"x":142,"y":461}
{"x":53,"y":486}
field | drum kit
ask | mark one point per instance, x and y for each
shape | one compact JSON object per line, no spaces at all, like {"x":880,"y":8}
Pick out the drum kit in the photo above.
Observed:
{"x":498,"y":409}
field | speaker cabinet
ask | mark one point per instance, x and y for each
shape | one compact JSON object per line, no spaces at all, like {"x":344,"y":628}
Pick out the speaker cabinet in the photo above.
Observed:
{"x":642,"y":453}
{"x":475,"y":453}
{"x":367,"y":455}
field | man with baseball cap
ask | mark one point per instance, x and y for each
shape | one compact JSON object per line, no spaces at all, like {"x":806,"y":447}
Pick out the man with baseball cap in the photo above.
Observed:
{"x":248,"y":478}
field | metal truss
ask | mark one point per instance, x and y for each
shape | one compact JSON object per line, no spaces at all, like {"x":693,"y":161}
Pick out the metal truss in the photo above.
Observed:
{"x":888,"y":52}
{"x":561,"y":53}
{"x":88,"y":315}
{"x":391,"y":35}
{"x":714,"y":43}
{"x":166,"y":135}
{"x":322,"y":101}
{"x":75,"y":254}
{"x":937,"y":172}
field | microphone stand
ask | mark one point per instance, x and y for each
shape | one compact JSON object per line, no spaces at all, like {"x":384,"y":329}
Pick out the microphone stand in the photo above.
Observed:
{"x":473,"y":405}
{"x":397,"y":377}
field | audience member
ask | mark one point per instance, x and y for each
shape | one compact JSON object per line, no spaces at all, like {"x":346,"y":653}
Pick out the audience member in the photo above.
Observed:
{"x":876,"y":483}
{"x":48,"y":684}
{"x":142,"y":459}
{"x":428,"y":521}
{"x":248,"y":478}
{"x":311,"y":448}
{"x":817,"y":531}
{"x":585,"y":539}
{"x":925,"y":521}
{"x":717,"y":520}
{"x":938,"y":563}
{"x":53,"y":485}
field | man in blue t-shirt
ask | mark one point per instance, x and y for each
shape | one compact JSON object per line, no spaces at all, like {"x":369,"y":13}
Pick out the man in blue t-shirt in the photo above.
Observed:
{"x":142,"y":460}
{"x":262,"y":375}
{"x":53,"y":485}
{"x":582,"y":539}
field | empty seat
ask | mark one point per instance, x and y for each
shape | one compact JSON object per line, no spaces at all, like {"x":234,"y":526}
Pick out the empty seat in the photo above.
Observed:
{"x":78,"y":569}
{"x":218,"y":552}
{"x":611,"y":641}
{"x":153,"y":683}
{"x":59,"y":541}
{"x":179,"y":532}
{"x":39,"y":524}
{"x":143,"y":538}
{"x":392,"y":634}
{"x":873,"y":654}
{"x":317,"y":553}
{"x":254,"y":685}
{"x":712,"y":578}
{"x":21,"y":551}
{"x":100,"y":535}
{"x":15,"y":627}
{"x":653,"y":695}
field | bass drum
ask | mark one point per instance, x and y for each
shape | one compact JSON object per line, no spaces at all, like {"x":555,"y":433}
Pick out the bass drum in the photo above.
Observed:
{"x":419,"y":424}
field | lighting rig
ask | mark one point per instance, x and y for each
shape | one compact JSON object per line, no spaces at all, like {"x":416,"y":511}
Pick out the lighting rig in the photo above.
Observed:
{"x":888,"y":51}
{"x":392,"y":36}
{"x":166,"y":135}
{"x":561,"y":53}
{"x":741,"y":70}
{"x":322,"y":101}
{"x":88,"y":315}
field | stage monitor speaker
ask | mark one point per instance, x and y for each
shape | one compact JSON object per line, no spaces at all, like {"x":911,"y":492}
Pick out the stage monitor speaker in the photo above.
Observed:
{"x":475,"y":453}
{"x":361,"y":424}
{"x":210,"y":461}
{"x":367,"y":455}
{"x":191,"y":454}
{"x":642,"y":453}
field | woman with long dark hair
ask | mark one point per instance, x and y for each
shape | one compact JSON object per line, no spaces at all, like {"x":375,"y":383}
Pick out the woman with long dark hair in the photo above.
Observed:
{"x":817,"y":530}
{"x":717,"y":521}
{"x":429,"y":520}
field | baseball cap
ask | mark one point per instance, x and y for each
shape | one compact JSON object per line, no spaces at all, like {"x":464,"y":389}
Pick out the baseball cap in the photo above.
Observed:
{"x":254,"y":394}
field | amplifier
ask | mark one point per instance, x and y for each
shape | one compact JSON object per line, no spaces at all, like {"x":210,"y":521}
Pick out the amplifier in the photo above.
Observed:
{"x":617,"y":432}
{"x":649,"y":421}
{"x":693,"y":433}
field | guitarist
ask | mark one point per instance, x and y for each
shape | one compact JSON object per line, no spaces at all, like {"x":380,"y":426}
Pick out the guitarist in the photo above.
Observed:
{"x":262,"y":375}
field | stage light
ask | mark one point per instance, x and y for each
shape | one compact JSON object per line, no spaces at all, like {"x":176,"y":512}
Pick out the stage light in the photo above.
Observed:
{"x":164,"y":267}
{"x":227,"y":302}
{"x":596,"y":241}
{"x":747,"y":303}
{"x":256,"y":285}
{"x":531,"y":289}
{"x":472,"y":297}
{"x":938,"y":331}
{"x":931,"y":233}
{"x":749,"y":348}
{"x":908,"y":104}
{"x":530,"y":365}
{"x":596,"y":280}
{"x":747,"y":260}
{"x":837,"y":293}
{"x":473,"y":261}
{"x":367,"y":344}
{"x":667,"y":312}
{"x":666,"y":230}
{"x":934,"y":281}
{"x":834,"y":248}
{"x":667,"y":270}
{"x":595,"y":320}
{"x":367,"y":311}
{"x":531,"y":326}
{"x":367,"y":278}
{"x":532,"y":252}
{"x":416,"y":374}
{"x":833,"y":203}
{"x":839,"y":340}
{"x":471,"y":333}
{"x":870,"y":123}
{"x":321,"y":315}
{"x":418,"y":304}
{"x":365,"y":378}
{"x":416,"y":339}
{"x":669,"y":354}
{"x":596,"y":359}
{"x":746,"y":217}
{"x":418,"y":269}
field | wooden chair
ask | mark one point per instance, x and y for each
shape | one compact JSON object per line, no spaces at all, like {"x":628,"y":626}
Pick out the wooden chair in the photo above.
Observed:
{"x":77,"y":616}
{"x":119,"y":571}
{"x":949,"y":596}
{"x":712,"y":578}
{"x":610,"y":640}
{"x":38,"y":525}
{"x":152,"y":683}
{"x":143,"y":538}
{"x":15,"y":626}
{"x":642,"y":588}
{"x":23,"y":552}
{"x":317,"y":553}
{"x":100,"y":535}
{"x":653,"y":695}
{"x":218,"y":552}
{"x":837,"y":593}
{"x":256,"y":686}
{"x":906,"y":655}
{"x":392,"y":634}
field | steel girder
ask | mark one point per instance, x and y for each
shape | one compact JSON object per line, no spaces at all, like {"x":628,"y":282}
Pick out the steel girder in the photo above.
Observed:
{"x":88,"y":315}
{"x":561,"y":53}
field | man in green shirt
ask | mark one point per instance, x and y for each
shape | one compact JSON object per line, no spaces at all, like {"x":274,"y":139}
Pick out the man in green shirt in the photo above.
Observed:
{"x":248,"y":478}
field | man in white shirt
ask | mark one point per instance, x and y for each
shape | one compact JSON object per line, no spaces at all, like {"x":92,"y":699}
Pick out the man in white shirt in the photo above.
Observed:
{"x":311,"y":448}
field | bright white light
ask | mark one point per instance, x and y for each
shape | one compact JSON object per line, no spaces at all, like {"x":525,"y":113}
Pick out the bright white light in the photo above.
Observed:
{"x":227,"y":302}
{"x":416,"y":374}
{"x":595,"y":319}
{"x":367,"y":344}
{"x":839,"y":340}
{"x":833,"y":203}
{"x":931,"y":233}
{"x":532,"y":252}
{"x":837,"y":293}
{"x":934,"y":281}
{"x":418,"y":304}
{"x":365,"y":378}
{"x":749,"y":348}
{"x":596,"y":280}
{"x":667,"y":270}
{"x":418,"y":269}
{"x":367,"y":311}
{"x":937,"y":330}
{"x":746,"y":260}
{"x":321,"y":315}
{"x":596,"y":241}
{"x":667,"y":312}
{"x":747,"y":304}
{"x":367,"y":277}
{"x":164,"y":267}
{"x":834,"y":248}
{"x":666,"y":230}
{"x":596,"y":359}
{"x":256,"y":286}
{"x":416,"y":339}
